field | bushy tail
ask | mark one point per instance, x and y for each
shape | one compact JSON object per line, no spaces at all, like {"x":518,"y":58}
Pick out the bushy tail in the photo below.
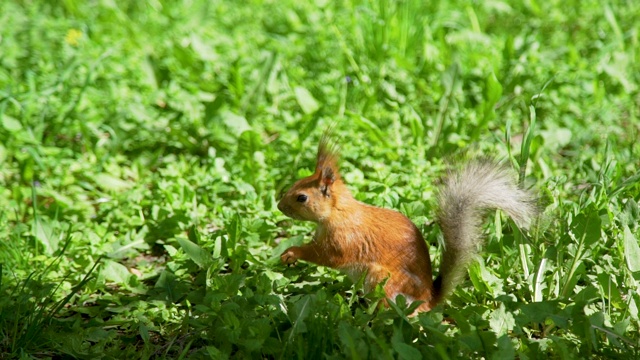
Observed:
{"x":463,"y":199}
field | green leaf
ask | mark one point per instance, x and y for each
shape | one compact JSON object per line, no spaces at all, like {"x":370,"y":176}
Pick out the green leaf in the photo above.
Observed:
{"x":483,"y":278}
{"x":556,"y":138}
{"x":97,"y":335}
{"x":170,"y":286}
{"x":236,"y":123}
{"x":633,"y":306}
{"x":116,"y":272}
{"x":43,"y":231}
{"x":283,"y":245}
{"x":27,"y":170}
{"x":203,"y":49}
{"x":110,"y":182}
{"x":501,"y":321}
{"x":631,"y":250}
{"x":249,"y":143}
{"x":144,"y":333}
{"x":493,"y":91}
{"x":505,"y":349}
{"x":306,"y":101}
{"x":234,"y":227}
{"x":525,"y":147}
{"x":214,"y":353}
{"x":406,"y":351}
{"x":368,"y":126}
{"x":199,"y":256}
{"x":10,"y":124}
{"x":301,"y":310}
{"x":586,"y":228}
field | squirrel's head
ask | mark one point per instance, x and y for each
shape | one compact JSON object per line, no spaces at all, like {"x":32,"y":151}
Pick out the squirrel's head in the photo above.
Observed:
{"x":314,"y":197}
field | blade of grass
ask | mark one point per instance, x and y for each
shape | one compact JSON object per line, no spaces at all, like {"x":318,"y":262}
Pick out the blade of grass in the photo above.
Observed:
{"x":526,"y":144}
{"x":444,"y":105}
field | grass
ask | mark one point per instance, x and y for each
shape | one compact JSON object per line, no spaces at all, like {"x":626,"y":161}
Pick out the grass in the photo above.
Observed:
{"x":144,"y":146}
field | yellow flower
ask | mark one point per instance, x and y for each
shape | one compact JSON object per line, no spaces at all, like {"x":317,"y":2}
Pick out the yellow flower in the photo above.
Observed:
{"x":73,"y":35}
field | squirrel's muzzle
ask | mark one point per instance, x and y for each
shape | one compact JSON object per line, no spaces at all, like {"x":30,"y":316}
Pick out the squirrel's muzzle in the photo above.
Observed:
{"x":283,"y":208}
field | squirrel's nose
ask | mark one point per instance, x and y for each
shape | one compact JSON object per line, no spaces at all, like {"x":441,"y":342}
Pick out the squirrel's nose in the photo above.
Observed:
{"x":284,"y":209}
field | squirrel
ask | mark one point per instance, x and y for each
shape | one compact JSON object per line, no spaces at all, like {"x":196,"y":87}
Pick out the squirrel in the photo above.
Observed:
{"x":358,"y":238}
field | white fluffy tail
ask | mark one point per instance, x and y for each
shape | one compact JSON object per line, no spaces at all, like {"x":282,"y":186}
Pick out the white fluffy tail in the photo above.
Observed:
{"x":463,"y":199}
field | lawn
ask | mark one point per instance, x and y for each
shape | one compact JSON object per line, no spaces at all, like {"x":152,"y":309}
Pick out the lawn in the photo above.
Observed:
{"x":144,"y":146}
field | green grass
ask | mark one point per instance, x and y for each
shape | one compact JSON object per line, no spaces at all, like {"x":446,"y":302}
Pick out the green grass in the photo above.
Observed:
{"x":144,"y":145}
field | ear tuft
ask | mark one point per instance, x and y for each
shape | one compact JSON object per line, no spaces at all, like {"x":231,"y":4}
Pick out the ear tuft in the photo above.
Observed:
{"x":328,"y":154}
{"x":327,"y":178}
{"x":327,"y":162}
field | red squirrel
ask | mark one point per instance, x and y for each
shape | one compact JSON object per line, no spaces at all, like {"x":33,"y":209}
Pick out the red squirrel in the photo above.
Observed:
{"x":358,"y":238}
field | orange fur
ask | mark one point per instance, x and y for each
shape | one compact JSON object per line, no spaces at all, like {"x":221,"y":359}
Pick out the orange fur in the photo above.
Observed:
{"x":357,"y":238}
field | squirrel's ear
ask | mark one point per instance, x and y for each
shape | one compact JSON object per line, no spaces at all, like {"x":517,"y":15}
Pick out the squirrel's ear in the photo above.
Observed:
{"x":327,"y":178}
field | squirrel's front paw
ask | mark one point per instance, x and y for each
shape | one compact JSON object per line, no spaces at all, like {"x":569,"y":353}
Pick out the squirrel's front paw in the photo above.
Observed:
{"x":290,"y":256}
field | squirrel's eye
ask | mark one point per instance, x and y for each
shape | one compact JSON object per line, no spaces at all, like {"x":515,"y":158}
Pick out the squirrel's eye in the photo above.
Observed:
{"x":302,"y":198}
